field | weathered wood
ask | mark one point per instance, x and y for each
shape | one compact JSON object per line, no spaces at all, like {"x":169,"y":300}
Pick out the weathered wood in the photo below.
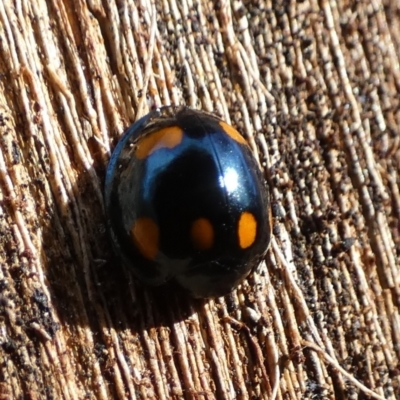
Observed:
{"x":314,"y":86}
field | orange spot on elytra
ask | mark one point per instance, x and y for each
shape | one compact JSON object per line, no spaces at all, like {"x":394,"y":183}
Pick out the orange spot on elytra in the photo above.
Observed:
{"x":233,"y":133}
{"x":202,"y":234}
{"x":164,"y":138}
{"x":145,"y":234}
{"x":247,"y":229}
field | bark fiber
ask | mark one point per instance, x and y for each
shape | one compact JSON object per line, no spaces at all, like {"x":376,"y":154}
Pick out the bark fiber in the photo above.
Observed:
{"x":314,"y":86}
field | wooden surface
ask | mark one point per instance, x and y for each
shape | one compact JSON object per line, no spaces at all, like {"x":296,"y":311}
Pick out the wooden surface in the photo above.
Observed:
{"x":314,"y":86}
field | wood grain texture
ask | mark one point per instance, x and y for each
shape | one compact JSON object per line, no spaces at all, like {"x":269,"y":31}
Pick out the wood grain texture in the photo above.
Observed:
{"x":314,"y":87}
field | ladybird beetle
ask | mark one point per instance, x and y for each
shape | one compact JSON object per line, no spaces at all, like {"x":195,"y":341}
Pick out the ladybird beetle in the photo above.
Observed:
{"x":186,"y":200}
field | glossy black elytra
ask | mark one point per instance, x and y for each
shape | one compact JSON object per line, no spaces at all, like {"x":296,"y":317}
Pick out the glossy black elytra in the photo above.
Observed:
{"x":185,"y":200}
